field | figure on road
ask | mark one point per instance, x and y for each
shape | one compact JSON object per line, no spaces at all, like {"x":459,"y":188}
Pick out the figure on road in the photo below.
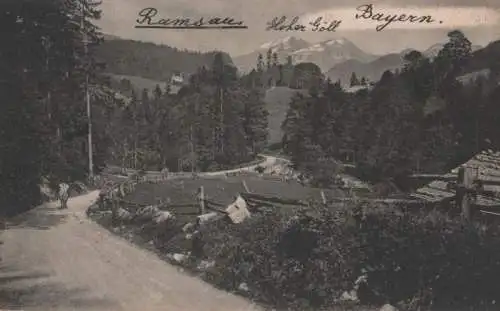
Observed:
{"x":63,"y":195}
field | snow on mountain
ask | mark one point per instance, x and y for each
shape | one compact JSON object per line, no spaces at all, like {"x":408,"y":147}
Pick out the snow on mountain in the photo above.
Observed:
{"x":328,"y":53}
{"x":325,"y":54}
{"x":283,"y":47}
{"x":433,"y":50}
{"x":289,"y":43}
{"x":335,"y":41}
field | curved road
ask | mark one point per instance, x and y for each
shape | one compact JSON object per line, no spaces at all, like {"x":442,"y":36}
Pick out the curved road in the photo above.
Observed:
{"x":60,"y":260}
{"x":269,"y":161}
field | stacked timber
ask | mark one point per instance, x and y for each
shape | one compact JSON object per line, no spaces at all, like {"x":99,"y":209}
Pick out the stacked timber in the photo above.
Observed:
{"x":486,"y":172}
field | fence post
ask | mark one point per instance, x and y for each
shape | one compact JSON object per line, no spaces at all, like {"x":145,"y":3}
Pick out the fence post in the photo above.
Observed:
{"x":323,"y":197}
{"x":245,"y":186}
{"x":465,"y":183}
{"x":202,"y":200}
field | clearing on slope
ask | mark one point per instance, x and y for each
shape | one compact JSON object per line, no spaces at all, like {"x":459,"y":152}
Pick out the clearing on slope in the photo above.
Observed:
{"x":277,"y":101}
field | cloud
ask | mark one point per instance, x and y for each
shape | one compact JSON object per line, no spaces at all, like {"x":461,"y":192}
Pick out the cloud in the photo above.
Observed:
{"x":411,"y":17}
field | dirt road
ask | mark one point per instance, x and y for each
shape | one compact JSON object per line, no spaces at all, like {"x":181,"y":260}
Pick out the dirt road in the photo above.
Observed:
{"x":60,"y":260}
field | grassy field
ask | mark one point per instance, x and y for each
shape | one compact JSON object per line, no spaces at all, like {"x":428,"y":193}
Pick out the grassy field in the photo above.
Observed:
{"x":223,"y":190}
{"x":277,"y":100}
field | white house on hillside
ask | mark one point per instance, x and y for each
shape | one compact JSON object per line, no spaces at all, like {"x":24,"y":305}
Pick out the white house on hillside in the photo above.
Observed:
{"x":177,"y":78}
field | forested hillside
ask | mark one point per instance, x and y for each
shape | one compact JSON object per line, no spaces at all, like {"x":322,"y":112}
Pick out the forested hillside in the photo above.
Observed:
{"x":149,"y":60}
{"x":279,"y":81}
{"x":127,"y":84}
{"x":420,"y":119}
{"x":43,"y":124}
{"x":485,"y":58}
{"x":216,"y":121}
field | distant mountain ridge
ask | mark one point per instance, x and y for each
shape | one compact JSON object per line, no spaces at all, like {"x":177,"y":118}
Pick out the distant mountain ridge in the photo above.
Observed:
{"x":325,"y":54}
{"x":373,"y":70}
{"x":328,"y":53}
{"x":282,"y":47}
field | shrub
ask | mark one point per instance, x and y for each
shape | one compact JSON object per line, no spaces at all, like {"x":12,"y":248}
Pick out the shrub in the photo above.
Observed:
{"x":261,"y":252}
{"x":423,"y":260}
{"x":260,"y":169}
{"x":449,"y":262}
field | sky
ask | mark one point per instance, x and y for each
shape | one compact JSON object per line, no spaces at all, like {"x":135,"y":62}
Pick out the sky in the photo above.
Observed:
{"x":478,"y":19}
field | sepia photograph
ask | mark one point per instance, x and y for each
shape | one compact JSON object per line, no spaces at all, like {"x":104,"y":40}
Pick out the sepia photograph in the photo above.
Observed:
{"x":271,"y":155}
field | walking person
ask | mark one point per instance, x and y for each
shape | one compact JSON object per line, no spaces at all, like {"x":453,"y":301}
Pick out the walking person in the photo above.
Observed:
{"x":63,"y":195}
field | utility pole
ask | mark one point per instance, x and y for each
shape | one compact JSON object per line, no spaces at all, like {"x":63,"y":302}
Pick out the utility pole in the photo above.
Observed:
{"x":221,"y":98}
{"x":87,"y":95}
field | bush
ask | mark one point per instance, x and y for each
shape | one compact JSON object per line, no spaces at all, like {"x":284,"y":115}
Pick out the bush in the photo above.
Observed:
{"x":261,"y":253}
{"x":434,"y":255}
{"x":418,"y":259}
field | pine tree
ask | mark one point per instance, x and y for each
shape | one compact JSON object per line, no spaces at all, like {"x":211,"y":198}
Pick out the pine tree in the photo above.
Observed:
{"x":145,"y":96}
{"x":260,"y":63}
{"x":354,"y":80}
{"x":275,"y":59}
{"x":281,"y":76}
{"x":157,"y":92}
{"x":255,"y":121}
{"x":44,"y":66}
{"x":269,"y":58}
{"x":454,"y":54}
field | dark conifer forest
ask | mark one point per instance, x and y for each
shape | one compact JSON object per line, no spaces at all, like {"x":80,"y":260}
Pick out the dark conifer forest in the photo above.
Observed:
{"x":428,"y":117}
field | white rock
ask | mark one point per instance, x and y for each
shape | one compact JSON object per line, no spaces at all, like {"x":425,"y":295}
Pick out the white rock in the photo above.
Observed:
{"x":188,"y":227}
{"x":147,"y":213}
{"x":243,"y":287}
{"x":238,"y":210}
{"x":179,"y":257}
{"x":207,"y":217}
{"x":388,"y":307}
{"x":162,"y":217}
{"x":123,"y":214}
{"x":206,"y":265}
{"x":349,"y":296}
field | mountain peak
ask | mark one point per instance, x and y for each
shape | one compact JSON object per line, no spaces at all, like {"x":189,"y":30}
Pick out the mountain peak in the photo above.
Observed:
{"x":330,"y":52}
{"x":286,"y":43}
{"x":339,"y":41}
{"x":325,"y":54}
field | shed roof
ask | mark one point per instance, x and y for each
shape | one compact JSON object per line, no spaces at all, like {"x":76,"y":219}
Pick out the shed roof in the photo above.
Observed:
{"x":486,"y":167}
